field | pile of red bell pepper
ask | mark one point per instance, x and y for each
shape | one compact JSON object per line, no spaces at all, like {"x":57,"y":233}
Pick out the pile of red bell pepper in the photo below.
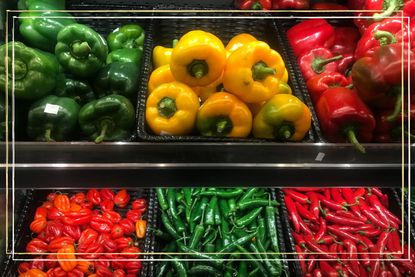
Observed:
{"x":271,"y":4}
{"x":352,"y":229}
{"x":92,"y":224}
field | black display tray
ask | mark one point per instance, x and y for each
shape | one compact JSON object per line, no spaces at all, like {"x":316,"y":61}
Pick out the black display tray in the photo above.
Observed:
{"x":35,"y":198}
{"x":165,"y":30}
{"x":152,"y":265}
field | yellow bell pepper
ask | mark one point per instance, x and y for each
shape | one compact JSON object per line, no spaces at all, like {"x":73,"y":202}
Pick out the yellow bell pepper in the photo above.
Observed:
{"x":198,"y":59}
{"x":162,"y":55}
{"x":238,"y":41}
{"x":284,"y":77}
{"x":283,"y":117}
{"x":253,"y":72}
{"x":284,"y":88}
{"x":171,"y":109}
{"x":205,"y":92}
{"x":223,"y":114}
{"x":159,"y":76}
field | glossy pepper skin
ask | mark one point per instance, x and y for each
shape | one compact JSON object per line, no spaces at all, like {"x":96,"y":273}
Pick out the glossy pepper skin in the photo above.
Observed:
{"x":290,"y":4}
{"x":238,"y":41}
{"x":198,"y":58}
{"x":162,"y":55}
{"x":388,"y":31}
{"x":205,"y":92}
{"x":345,"y":40}
{"x":388,"y":7}
{"x":344,"y":117}
{"x":125,"y":55}
{"x":41,"y":30}
{"x":310,"y":34}
{"x":283,"y":117}
{"x":117,"y":78}
{"x":127,"y":36}
{"x":41,"y":4}
{"x":171,"y":109}
{"x":386,"y":131}
{"x":108,"y":118}
{"x":159,"y":76}
{"x":253,"y":4}
{"x":81,"y":50}
{"x":378,"y":78}
{"x":318,"y":84}
{"x":78,"y":90}
{"x":223,"y":114}
{"x":318,"y":61}
{"x":66,"y":258}
{"x":34,"y":71}
{"x":52,"y":118}
{"x":253,"y":72}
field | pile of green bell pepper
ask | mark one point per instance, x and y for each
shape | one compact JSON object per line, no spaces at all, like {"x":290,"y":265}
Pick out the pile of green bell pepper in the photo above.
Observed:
{"x":67,"y":77}
{"x":213,"y":224}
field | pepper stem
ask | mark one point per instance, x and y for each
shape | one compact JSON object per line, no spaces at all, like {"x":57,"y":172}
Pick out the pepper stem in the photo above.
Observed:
{"x":392,"y":7}
{"x":221,"y":126}
{"x":351,"y":136}
{"x":319,"y":64}
{"x":284,"y":132}
{"x":20,"y":69}
{"x":256,"y":6}
{"x":397,"y":109}
{"x":260,"y":71}
{"x":198,"y":68}
{"x":101,"y":136}
{"x":167,"y":107}
{"x":174,"y":43}
{"x":47,"y":136}
{"x":385,"y":37}
{"x":81,"y":49}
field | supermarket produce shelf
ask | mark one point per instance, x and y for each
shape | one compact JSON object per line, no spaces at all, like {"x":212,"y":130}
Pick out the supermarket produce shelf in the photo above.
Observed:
{"x":200,"y":164}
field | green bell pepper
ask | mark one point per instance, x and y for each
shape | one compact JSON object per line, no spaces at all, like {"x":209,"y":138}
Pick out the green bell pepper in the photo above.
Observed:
{"x":126,"y":55}
{"x":117,"y":78}
{"x":52,"y":118}
{"x":35,"y":71}
{"x":109,"y":118}
{"x":78,"y":90}
{"x":41,"y":4}
{"x":3,"y":122}
{"x":127,"y":36}
{"x":81,"y":50}
{"x":41,"y":30}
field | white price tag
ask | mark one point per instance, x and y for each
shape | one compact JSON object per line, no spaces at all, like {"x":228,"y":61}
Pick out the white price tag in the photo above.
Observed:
{"x":320,"y":157}
{"x":52,"y":109}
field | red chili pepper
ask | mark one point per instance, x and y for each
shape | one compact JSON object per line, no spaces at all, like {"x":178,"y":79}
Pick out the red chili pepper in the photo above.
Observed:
{"x":363,"y":254}
{"x":370,"y":233}
{"x":367,"y":241}
{"x":107,"y":194}
{"x":322,"y":231}
{"x":316,"y":248}
{"x":94,"y":197}
{"x":117,"y":231}
{"x":381,"y":243}
{"x":113,"y":216}
{"x":407,"y":265}
{"x":121,"y":199}
{"x":307,"y":189}
{"x":78,"y":198}
{"x":299,"y":197}
{"x":133,"y":215}
{"x":328,"y":269}
{"x":107,"y":205}
{"x":127,"y":226}
{"x":394,"y":269}
{"x":303,"y":226}
{"x":290,"y":4}
{"x":371,"y":216}
{"x":359,"y":192}
{"x":352,"y":255}
{"x":140,"y":205}
{"x":60,"y":242}
{"x":345,"y":40}
{"x":72,"y":231}
{"x":394,"y":244}
{"x":343,"y":116}
{"x":330,"y":204}
{"x":124,"y":242}
{"x":320,"y":83}
{"x":299,"y":239}
{"x":301,"y":257}
{"x":101,"y":224}
{"x":317,"y":61}
{"x":341,"y":220}
{"x":253,"y":4}
{"x":310,"y":34}
{"x":303,"y":212}
{"x":314,"y":206}
{"x":343,"y":234}
{"x":327,"y":240}
{"x":352,"y":201}
{"x":311,"y":263}
{"x":337,"y":196}
{"x":374,"y":201}
{"x":351,"y":229}
{"x":292,"y":212}
{"x":88,"y":237}
{"x":37,"y":246}
{"x":318,"y":273}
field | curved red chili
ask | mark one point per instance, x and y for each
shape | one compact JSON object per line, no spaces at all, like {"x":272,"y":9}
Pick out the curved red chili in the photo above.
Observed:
{"x":328,"y":269}
{"x":352,"y":255}
{"x":352,"y":201}
{"x":364,"y":255}
{"x":322,"y":231}
{"x":314,"y":247}
{"x":301,"y":257}
{"x":341,"y":220}
{"x":371,"y":216}
{"x":297,"y":196}
{"x":292,"y":211}
{"x":304,"y":213}
{"x":314,"y":206}
{"x":343,"y":234}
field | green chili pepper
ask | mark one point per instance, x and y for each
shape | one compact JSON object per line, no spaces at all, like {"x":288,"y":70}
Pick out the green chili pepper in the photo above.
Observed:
{"x":228,"y":273}
{"x":211,"y":237}
{"x":222,"y":194}
{"x":179,"y":196}
{"x":164,"y":265}
{"x":169,"y":274}
{"x":248,"y":218}
{"x":171,"y":200}
{"x":243,"y":269}
{"x":253,"y":273}
{"x":239,"y":233}
{"x":164,"y":236}
{"x":255,"y":250}
{"x":224,"y":208}
{"x":272,"y":229}
{"x":261,"y":230}
{"x":210,"y":248}
{"x":247,"y":195}
{"x":255,"y":263}
{"x":255,"y":203}
{"x":273,"y":269}
{"x":232,"y":205}
{"x":218,"y":244}
{"x":210,"y":212}
{"x":217,"y":216}
{"x":161,"y":199}
{"x":169,"y":227}
{"x":197,"y":236}
{"x":199,"y":210}
{"x":193,"y":254}
{"x":205,"y":270}
{"x":179,"y":267}
{"x":187,"y":193}
{"x":241,"y":241}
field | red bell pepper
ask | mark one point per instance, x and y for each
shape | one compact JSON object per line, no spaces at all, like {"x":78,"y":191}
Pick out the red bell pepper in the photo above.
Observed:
{"x":72,"y":231}
{"x":133,"y":215}
{"x":328,"y":6}
{"x":253,"y":4}
{"x":378,"y":78}
{"x":343,"y":116}
{"x":53,"y":230}
{"x":317,"y":61}
{"x":88,"y":237}
{"x":290,"y":4}
{"x":107,"y":205}
{"x":320,"y":83}
{"x":388,"y":7}
{"x":361,"y":21}
{"x":344,"y":66}
{"x":309,"y":34}
{"x":356,"y":4}
{"x":101,"y":224}
{"x":388,"y":31}
{"x":387,"y":131}
{"x":117,"y":231}
{"x":122,"y":198}
{"x":106,"y":194}
{"x":127,"y":225}
{"x":345,"y":40}
{"x":37,"y":246}
{"x":94,"y":197}
{"x":124,"y":242}
{"x":140,"y":205}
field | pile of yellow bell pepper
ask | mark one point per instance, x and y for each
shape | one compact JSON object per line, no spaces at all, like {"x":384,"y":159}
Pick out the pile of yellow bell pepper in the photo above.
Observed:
{"x":233,"y":91}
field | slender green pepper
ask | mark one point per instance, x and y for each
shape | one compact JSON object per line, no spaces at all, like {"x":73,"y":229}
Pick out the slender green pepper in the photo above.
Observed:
{"x":164,"y":236}
{"x":52,"y":118}
{"x":247,"y":195}
{"x":125,"y":56}
{"x":249,"y":217}
{"x":117,"y":78}
{"x":78,"y":90}
{"x":193,"y":254}
{"x":232,"y":205}
{"x":255,"y":203}
{"x":255,"y":263}
{"x":228,"y":272}
{"x":253,"y":273}
{"x":35,"y":71}
{"x":187,"y":193}
{"x":211,"y":237}
{"x":169,"y":274}
{"x":163,"y":266}
{"x":127,"y":36}
{"x":168,"y":225}
{"x":199,"y":210}
{"x":256,"y":251}
{"x":235,"y":244}
{"x":273,"y":269}
{"x":81,"y":50}
{"x":161,"y":199}
{"x":205,"y":270}
{"x":179,"y":195}
{"x":272,"y":229}
{"x":109,"y":118}
{"x":243,"y":269}
{"x":224,"y":208}
{"x":217,"y":215}
{"x":210,"y":212}
{"x":261,"y":230}
{"x":179,"y":267}
{"x":171,"y":200}
{"x":197,"y":235}
{"x":222,"y":194}
{"x":210,"y":248}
